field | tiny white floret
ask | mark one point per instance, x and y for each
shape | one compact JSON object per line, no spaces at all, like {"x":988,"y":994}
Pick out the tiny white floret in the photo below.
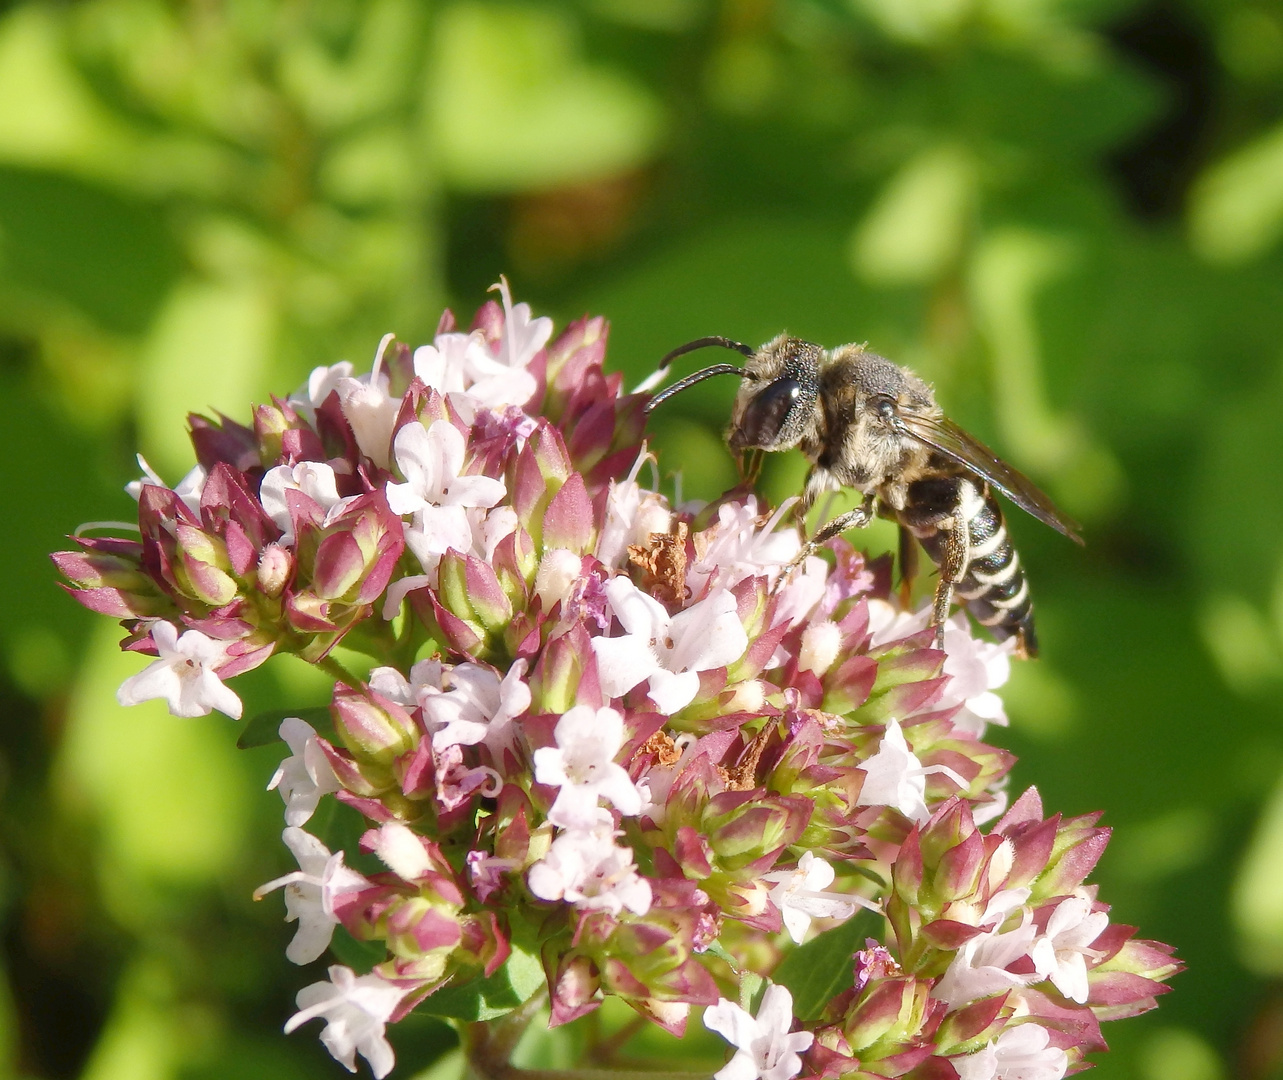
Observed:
{"x":184,"y":675}
{"x":356,"y":1011}
{"x":766,"y":1049}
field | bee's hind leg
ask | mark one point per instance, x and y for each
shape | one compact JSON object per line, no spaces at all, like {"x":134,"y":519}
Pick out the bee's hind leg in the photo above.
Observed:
{"x":908,"y":565}
{"x":953,"y":568}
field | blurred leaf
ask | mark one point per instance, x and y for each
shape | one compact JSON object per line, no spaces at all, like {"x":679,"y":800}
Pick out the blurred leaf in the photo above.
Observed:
{"x":208,"y":351}
{"x":48,"y":115}
{"x":918,"y":21}
{"x":369,"y":77}
{"x":1179,"y":1054}
{"x":915,"y":229}
{"x":484,"y":999}
{"x":1257,"y":892}
{"x":144,"y":1034}
{"x":265,"y":727}
{"x":168,"y":793}
{"x":818,"y":971}
{"x":1236,"y":208}
{"x":515,"y":109}
{"x":109,"y":256}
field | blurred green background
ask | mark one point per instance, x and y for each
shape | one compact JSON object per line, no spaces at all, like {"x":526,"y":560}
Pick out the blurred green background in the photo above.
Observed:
{"x":1067,"y":213}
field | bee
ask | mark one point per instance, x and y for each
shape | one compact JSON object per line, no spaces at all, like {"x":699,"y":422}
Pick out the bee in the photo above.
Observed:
{"x":870,"y":425}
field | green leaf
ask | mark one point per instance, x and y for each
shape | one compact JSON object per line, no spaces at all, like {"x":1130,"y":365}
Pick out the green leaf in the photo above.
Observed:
{"x":360,"y":956}
{"x":484,"y":999}
{"x":821,"y":969}
{"x":265,"y":727}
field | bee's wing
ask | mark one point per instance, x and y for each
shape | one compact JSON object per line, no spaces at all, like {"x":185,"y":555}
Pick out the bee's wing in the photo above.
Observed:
{"x":946,"y":437}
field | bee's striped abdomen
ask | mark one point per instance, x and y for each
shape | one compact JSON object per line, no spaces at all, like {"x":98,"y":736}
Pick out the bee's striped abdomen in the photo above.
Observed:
{"x":993,"y":586}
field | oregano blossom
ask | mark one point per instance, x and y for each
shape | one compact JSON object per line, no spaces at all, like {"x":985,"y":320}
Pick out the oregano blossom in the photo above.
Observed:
{"x":606,"y":741}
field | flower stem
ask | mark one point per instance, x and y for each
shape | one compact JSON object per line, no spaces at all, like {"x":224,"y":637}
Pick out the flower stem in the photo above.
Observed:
{"x":489,"y":1048}
{"x":333,"y":667}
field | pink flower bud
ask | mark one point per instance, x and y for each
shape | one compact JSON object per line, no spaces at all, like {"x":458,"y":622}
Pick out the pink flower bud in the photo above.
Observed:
{"x":372,"y":727}
{"x":275,"y":565}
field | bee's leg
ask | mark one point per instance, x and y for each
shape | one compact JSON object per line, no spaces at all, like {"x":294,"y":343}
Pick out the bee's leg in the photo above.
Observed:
{"x":852,"y":519}
{"x":749,"y":464}
{"x":908,"y":564}
{"x":953,"y":568}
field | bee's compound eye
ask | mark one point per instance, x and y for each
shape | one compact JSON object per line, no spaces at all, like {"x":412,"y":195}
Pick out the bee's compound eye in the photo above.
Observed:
{"x":765,"y":414}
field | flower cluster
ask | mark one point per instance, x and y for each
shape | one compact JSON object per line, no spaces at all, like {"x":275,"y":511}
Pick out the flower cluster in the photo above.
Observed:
{"x":627,"y":740}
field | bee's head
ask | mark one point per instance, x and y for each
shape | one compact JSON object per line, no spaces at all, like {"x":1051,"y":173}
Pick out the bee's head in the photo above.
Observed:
{"x":779,"y":390}
{"x":776,"y":404}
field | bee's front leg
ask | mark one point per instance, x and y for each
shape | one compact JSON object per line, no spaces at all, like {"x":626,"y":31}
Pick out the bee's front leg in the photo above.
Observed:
{"x":852,"y":519}
{"x":953,"y":568}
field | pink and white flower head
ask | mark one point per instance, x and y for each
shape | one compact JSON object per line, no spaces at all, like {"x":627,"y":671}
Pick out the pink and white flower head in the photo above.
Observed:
{"x":601,"y":739}
{"x":185,"y":675}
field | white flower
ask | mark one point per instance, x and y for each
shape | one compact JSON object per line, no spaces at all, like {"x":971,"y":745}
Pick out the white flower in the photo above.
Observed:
{"x":305,"y":775}
{"x":739,"y":547}
{"x":800,"y":896}
{"x":632,"y":515}
{"x":523,"y":336}
{"x":310,"y":892}
{"x":183,"y":675}
{"x":895,"y":777}
{"x":559,"y":570}
{"x":1061,"y":951}
{"x":188,"y":489}
{"x":434,"y":492}
{"x":979,"y":968}
{"x":765,"y":1047}
{"x":463,"y":365}
{"x":476,"y":707}
{"x":402,"y":850}
{"x":1022,"y":1052}
{"x":586,"y":868}
{"x":371,"y":409}
{"x":356,"y":1012}
{"x":582,"y":767}
{"x":315,"y":479}
{"x":425,"y":675}
{"x":443,"y":365}
{"x":320,"y":384}
{"x":670,"y":651}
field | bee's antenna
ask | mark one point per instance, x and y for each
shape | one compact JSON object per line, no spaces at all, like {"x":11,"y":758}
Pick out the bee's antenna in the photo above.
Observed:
{"x":703,"y":343}
{"x":699,"y":376}
{"x":689,"y":381}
